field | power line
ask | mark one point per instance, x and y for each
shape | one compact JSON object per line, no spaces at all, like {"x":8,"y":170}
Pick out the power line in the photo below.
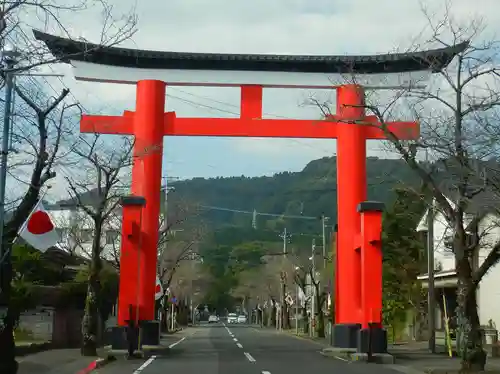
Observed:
{"x":209,"y":207}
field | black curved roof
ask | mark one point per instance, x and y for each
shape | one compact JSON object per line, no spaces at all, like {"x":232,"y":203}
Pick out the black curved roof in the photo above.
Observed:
{"x":67,"y":49}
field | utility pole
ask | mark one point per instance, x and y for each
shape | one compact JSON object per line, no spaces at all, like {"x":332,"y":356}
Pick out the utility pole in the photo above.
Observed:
{"x":9,"y":56}
{"x":286,"y":239}
{"x":296,"y":309}
{"x":430,"y":271}
{"x":313,"y":298}
{"x":323,"y":229}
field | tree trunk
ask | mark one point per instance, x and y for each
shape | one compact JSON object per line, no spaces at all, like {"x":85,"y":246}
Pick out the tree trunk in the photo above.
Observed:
{"x":305,"y":320}
{"x":272,"y":316}
{"x":470,"y":342}
{"x":8,"y":363}
{"x":90,"y":321}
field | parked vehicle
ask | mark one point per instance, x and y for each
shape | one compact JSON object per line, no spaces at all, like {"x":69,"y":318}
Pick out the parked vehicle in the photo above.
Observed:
{"x":213,"y":319}
{"x":242,"y":318}
{"x":232,"y":318}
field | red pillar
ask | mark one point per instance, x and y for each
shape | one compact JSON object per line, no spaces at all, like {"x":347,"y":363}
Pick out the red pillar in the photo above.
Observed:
{"x":129,"y":260}
{"x":146,"y":182}
{"x":351,"y":190}
{"x":371,"y":262}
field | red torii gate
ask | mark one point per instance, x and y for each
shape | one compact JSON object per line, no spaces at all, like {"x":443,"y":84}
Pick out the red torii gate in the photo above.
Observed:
{"x":356,"y":292}
{"x":359,"y":259}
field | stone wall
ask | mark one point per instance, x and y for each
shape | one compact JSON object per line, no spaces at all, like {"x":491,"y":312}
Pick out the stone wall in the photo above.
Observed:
{"x":38,"y":323}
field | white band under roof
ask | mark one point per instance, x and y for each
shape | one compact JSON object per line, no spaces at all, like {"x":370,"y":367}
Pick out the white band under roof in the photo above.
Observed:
{"x":86,"y":71}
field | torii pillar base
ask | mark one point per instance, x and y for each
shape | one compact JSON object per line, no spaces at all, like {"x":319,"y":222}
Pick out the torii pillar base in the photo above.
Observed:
{"x":345,"y":336}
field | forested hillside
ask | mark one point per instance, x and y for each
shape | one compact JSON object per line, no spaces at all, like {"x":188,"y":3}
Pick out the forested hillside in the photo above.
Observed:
{"x":310,"y":192}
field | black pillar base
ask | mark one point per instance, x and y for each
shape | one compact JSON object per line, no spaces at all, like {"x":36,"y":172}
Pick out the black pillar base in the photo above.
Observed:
{"x":150,"y":332}
{"x":119,"y":338}
{"x":378,"y":340}
{"x":345,"y":335}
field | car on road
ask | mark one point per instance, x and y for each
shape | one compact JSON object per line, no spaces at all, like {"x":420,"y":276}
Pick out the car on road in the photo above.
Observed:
{"x":232,"y":318}
{"x":242,"y":319}
{"x":213,"y":319}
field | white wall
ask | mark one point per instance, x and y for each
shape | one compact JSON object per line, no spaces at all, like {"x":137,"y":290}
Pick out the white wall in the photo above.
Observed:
{"x":76,"y":232}
{"x":489,"y":288}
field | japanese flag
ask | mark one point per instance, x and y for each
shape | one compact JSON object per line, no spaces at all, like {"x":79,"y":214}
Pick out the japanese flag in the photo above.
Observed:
{"x":39,"y":230}
{"x":158,"y":289}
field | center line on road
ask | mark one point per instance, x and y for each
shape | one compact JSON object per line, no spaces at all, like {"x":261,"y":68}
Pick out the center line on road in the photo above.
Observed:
{"x":144,"y":365}
{"x":249,"y":357}
{"x":177,"y":342}
{"x":239,"y":345}
{"x":234,"y":339}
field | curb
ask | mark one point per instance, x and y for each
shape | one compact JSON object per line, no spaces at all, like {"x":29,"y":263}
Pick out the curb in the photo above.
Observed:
{"x":96,"y":364}
{"x":24,"y":350}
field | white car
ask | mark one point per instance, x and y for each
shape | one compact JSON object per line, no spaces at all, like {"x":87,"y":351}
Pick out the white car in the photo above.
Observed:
{"x":232,"y":318}
{"x":213,"y":319}
{"x":242,"y":319}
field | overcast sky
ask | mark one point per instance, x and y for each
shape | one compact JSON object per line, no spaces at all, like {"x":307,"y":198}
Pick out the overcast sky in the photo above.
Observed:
{"x":258,"y":26}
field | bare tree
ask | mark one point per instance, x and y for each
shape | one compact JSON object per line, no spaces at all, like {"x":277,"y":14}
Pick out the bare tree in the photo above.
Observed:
{"x":75,"y":229}
{"x":98,"y":197}
{"x":41,"y":135}
{"x":178,"y":239}
{"x":115,"y":27}
{"x":458,"y":114}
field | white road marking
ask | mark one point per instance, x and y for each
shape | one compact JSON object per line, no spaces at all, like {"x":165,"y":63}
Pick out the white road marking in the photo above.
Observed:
{"x":177,"y":342}
{"x":266,"y":372}
{"x":341,"y":359}
{"x":234,"y":339}
{"x":239,"y":345}
{"x":249,"y":357}
{"x":152,"y":358}
{"x":144,"y":365}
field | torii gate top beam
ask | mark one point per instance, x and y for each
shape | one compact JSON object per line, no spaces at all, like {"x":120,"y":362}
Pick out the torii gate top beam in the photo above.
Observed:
{"x":93,"y":62}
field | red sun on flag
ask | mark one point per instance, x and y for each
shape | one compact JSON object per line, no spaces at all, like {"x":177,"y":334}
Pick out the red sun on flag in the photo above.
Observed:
{"x":158,"y":289}
{"x":40,"y":223}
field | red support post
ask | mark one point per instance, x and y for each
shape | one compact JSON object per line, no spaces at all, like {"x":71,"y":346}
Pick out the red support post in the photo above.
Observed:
{"x":148,"y":122}
{"x":371,"y":262}
{"x":351,"y":190}
{"x":130,"y":254}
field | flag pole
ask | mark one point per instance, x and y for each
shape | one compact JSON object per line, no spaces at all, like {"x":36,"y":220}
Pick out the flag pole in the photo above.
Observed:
{"x":7,"y":252}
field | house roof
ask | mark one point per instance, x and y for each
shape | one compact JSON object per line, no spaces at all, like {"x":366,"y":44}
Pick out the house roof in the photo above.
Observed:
{"x":485,"y":200}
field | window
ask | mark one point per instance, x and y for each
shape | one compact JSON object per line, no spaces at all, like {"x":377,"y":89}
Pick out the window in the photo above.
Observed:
{"x":111,"y":236}
{"x":86,"y":235}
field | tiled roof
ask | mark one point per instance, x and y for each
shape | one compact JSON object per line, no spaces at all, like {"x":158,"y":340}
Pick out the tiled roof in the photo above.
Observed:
{"x":68,"y":49}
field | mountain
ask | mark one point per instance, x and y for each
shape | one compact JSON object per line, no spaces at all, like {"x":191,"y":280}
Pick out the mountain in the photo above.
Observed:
{"x":308,"y":193}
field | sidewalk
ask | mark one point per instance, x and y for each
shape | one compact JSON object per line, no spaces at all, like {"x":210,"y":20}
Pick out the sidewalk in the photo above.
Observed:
{"x":56,"y":361}
{"x":416,"y":357}
{"x":413,"y":357}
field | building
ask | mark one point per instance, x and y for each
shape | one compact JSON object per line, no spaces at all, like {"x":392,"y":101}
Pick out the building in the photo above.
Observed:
{"x":76,"y":232}
{"x":76,"y":228}
{"x":445,"y":276}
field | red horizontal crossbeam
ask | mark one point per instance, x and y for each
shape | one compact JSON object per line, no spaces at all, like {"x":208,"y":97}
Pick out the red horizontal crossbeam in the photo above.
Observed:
{"x":248,"y":127}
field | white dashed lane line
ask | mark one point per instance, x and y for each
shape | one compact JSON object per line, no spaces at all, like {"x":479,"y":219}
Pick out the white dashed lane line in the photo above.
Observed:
{"x":249,"y":357}
{"x":235,"y":340}
{"x":239,"y":345}
{"x":266,"y":372}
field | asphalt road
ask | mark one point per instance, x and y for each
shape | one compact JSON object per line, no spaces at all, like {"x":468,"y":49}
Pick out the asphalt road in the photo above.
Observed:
{"x":220,"y":349}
